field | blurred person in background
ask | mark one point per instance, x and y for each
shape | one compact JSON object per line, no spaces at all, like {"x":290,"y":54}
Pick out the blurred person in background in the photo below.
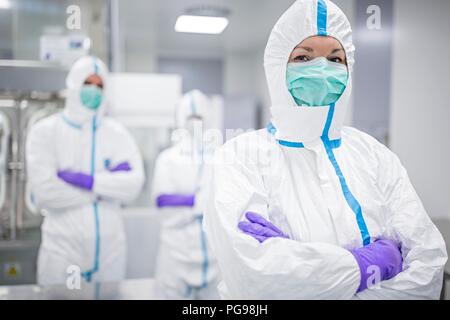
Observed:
{"x":82,"y":167}
{"x":186,"y":269}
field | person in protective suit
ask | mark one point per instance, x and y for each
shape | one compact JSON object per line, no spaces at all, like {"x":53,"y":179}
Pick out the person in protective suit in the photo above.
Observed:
{"x":82,"y":167}
{"x":186,"y":269}
{"x":307,"y":208}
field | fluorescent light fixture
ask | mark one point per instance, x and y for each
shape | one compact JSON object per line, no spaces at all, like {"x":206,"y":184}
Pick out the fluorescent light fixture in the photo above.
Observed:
{"x":201,"y":24}
{"x":5,"y":4}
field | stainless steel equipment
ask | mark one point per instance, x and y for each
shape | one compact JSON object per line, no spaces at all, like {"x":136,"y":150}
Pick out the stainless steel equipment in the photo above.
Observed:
{"x":29,"y":91}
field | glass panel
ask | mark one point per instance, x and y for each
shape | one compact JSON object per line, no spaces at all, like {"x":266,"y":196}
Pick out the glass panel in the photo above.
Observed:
{"x":39,"y":29}
{"x":4,"y":136}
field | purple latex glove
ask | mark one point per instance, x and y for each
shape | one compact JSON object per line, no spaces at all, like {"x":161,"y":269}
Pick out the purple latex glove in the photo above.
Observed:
{"x":77,"y":179}
{"x":123,"y":166}
{"x":175,"y":200}
{"x":259,"y":228}
{"x":385,"y":254}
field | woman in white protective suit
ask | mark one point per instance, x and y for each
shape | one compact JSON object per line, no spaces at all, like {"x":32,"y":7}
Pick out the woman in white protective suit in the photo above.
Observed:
{"x":185,"y":268}
{"x":82,"y":166}
{"x":308,"y":208}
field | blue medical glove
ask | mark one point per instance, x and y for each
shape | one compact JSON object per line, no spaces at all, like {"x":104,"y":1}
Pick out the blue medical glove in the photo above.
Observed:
{"x":77,"y":179}
{"x":259,"y":228}
{"x":384,"y":254}
{"x":175,"y":200}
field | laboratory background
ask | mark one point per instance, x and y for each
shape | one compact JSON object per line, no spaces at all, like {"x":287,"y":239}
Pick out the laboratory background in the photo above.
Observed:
{"x":400,"y":95}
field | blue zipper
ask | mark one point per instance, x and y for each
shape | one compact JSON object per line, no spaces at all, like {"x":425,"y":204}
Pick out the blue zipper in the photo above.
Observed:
{"x":88,"y":274}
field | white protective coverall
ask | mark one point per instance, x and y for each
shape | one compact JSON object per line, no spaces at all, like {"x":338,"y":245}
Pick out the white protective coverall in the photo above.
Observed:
{"x":329,"y":188}
{"x":82,"y":228}
{"x":185,"y":267}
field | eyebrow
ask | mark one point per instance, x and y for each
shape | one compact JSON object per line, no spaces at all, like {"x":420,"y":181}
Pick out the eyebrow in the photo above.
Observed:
{"x":336,"y":50}
{"x":305,"y":48}
{"x":309,"y":49}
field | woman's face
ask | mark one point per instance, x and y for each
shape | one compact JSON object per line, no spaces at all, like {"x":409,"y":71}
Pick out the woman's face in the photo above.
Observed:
{"x":319,"y":46}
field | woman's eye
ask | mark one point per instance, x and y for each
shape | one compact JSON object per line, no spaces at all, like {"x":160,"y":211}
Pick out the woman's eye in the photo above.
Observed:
{"x":302,"y":58}
{"x":335,"y":59}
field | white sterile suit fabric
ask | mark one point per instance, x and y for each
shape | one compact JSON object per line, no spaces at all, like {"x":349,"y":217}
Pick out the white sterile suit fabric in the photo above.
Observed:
{"x":82,"y":228}
{"x":330,"y":188}
{"x":186,"y":269}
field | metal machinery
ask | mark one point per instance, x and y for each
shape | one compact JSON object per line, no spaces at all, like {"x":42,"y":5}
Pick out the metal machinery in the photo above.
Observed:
{"x":29,"y":91}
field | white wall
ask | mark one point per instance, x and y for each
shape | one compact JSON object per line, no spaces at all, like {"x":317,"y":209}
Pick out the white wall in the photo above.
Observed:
{"x":205,"y":74}
{"x":240,"y":72}
{"x":137,"y":36}
{"x":244,"y":72}
{"x":348,"y":7}
{"x":244,"y":76}
{"x":420,"y":107}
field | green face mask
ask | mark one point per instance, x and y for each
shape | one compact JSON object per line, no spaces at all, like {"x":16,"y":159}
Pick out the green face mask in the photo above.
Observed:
{"x":319,"y":82}
{"x":91,"y":96}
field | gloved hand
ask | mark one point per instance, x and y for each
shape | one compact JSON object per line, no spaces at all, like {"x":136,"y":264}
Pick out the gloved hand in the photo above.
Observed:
{"x":123,"y":166}
{"x":259,"y":228}
{"x":77,"y":179}
{"x":385,"y":254}
{"x":175,"y":200}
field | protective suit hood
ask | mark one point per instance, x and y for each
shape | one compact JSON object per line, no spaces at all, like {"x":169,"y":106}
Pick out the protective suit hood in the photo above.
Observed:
{"x":305,"y":18}
{"x":74,"y":111}
{"x":196,"y":104}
